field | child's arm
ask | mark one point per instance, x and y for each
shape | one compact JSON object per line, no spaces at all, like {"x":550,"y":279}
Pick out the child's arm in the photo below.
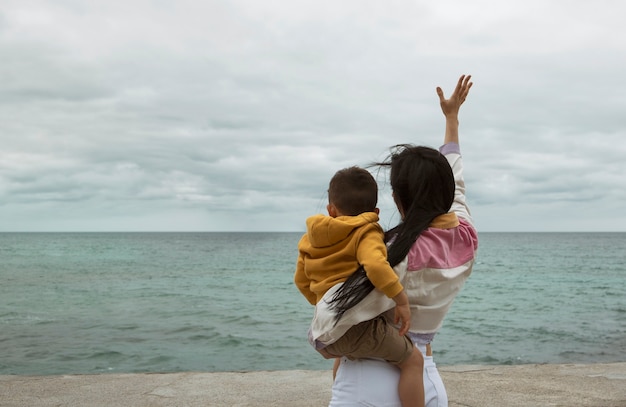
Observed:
{"x":450,"y":107}
{"x":372,"y":255}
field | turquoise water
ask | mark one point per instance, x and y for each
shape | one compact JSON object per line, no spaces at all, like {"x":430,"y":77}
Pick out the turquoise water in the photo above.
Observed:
{"x":163,"y":302}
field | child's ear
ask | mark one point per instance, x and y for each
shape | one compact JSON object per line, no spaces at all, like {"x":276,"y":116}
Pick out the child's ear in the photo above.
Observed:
{"x":332,"y":210}
{"x":377,"y":211}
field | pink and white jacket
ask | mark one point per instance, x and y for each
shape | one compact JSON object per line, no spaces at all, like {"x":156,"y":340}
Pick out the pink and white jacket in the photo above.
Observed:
{"x":433,"y":272}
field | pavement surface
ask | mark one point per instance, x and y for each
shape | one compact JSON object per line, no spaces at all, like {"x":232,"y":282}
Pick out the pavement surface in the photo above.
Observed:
{"x":566,"y":385}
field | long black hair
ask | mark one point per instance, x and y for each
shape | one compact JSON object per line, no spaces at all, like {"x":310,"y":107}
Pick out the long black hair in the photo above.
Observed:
{"x":423,"y":188}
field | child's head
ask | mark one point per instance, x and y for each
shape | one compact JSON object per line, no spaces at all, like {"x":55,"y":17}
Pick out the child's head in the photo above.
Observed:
{"x":352,"y":191}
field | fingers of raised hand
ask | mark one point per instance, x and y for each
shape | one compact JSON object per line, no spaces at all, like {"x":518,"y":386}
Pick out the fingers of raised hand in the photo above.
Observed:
{"x":465,"y":87}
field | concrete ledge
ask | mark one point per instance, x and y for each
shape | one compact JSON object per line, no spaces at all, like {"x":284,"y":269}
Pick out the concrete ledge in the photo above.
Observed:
{"x":595,"y":385}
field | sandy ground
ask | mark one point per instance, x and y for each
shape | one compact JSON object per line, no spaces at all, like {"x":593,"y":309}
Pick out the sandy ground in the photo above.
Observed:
{"x":597,"y":385}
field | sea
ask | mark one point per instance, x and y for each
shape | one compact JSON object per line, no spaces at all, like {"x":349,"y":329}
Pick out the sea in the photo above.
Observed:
{"x":84,"y":303}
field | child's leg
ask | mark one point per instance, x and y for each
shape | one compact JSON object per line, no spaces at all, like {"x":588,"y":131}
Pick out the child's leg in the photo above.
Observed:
{"x":411,"y":384}
{"x":376,"y":338}
{"x":336,"y":367}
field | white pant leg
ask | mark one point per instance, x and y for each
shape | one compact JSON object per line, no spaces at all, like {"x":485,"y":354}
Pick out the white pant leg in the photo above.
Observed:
{"x":434,"y":390}
{"x":374,"y":383}
{"x":365,"y":382}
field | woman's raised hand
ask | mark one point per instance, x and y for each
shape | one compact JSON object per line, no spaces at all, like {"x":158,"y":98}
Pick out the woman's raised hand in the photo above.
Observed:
{"x":450,"y":107}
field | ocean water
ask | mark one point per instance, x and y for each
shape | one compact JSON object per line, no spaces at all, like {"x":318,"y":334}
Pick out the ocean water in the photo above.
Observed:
{"x":74,"y":303}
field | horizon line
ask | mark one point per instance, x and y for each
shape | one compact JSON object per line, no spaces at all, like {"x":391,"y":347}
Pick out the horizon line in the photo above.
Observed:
{"x":281,"y":231}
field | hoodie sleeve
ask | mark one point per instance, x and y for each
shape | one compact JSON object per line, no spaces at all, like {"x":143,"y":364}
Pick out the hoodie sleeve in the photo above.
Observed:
{"x":303,"y":282}
{"x":372,"y":255}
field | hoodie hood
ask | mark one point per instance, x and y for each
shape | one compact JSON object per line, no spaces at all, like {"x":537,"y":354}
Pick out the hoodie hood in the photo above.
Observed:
{"x":323,"y":231}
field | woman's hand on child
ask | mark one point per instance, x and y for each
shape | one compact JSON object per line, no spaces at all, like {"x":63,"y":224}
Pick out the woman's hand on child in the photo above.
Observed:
{"x":403,"y":315}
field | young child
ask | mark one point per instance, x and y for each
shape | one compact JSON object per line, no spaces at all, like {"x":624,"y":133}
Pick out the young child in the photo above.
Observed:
{"x":333,"y":248}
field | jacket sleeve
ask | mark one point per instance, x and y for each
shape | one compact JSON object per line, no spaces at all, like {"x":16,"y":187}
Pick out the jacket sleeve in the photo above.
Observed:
{"x":372,"y":255}
{"x":452,"y":152}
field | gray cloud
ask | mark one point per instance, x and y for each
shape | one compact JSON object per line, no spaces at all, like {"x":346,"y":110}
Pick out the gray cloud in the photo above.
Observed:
{"x":234,"y":116}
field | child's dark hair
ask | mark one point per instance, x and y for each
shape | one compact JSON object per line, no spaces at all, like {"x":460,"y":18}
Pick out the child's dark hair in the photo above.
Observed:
{"x":353,"y":191}
{"x":423,"y":185}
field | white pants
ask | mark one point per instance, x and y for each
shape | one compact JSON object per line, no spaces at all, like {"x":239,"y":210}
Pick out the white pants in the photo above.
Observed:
{"x":374,"y":383}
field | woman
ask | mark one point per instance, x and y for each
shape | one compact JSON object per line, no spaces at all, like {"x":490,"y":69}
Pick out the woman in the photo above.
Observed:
{"x":432,"y":250}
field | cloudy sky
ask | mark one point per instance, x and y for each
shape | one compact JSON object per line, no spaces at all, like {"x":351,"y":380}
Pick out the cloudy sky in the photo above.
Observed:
{"x":233,"y":115}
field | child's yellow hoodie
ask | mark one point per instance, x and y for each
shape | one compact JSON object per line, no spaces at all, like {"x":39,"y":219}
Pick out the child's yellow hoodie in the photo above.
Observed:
{"x":334,"y":248}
